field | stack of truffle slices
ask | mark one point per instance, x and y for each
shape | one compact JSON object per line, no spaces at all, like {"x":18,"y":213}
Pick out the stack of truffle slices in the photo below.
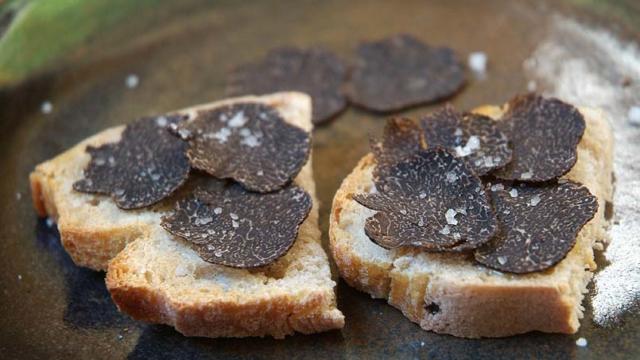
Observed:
{"x":478,"y":224}
{"x":209,"y":224}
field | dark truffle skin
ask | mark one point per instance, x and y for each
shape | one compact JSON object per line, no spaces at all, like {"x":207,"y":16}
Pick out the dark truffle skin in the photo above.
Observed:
{"x":401,"y":71}
{"x":401,"y":139}
{"x":227,"y":225}
{"x":316,"y":72}
{"x":453,"y":131}
{"x":432,"y":200}
{"x":145,"y":166}
{"x":247,"y":142}
{"x":544,"y":134}
{"x":538,"y":225}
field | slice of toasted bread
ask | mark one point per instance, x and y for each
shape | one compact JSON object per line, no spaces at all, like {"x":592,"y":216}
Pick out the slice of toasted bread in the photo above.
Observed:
{"x":449,"y":293}
{"x":158,"y":278}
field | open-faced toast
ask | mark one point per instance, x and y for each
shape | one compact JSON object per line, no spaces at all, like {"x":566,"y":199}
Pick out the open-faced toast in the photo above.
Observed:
{"x":449,"y":293}
{"x":157,"y":277}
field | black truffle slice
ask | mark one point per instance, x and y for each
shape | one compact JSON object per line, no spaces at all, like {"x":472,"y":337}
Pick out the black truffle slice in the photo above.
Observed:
{"x":475,"y":138}
{"x":144,"y":167}
{"x":544,"y":134}
{"x":431,"y":200}
{"x":401,"y":71}
{"x":538,"y":225}
{"x":401,"y":139}
{"x":247,"y":142}
{"x":316,"y":72}
{"x":233,"y":227}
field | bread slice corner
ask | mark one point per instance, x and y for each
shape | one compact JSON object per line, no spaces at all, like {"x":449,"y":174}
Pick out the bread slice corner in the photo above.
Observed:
{"x":155,"y":277}
{"x":449,"y":293}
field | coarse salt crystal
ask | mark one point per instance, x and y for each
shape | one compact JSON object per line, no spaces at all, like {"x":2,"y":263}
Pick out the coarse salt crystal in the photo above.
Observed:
{"x":497,"y":187}
{"x":217,"y":211}
{"x":582,"y":342}
{"x":502,"y":260}
{"x":450,"y":216}
{"x":49,"y":222}
{"x":132,"y":81}
{"x":46,"y":107}
{"x":478,"y":62}
{"x":535,"y":200}
{"x":445,"y":230}
{"x":470,"y":147}
{"x":238,"y":120}
{"x":513,"y":193}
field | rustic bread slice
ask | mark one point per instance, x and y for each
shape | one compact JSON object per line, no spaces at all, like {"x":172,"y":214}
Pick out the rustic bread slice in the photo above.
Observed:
{"x":158,"y":278}
{"x":451,"y":294}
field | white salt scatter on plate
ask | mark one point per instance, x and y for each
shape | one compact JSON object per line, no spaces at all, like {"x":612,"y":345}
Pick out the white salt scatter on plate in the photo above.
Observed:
{"x":422,"y":195}
{"x":217,"y":211}
{"x":634,"y":115}
{"x":582,"y":342}
{"x":478,"y":62}
{"x":46,"y":107}
{"x":132,"y":81}
{"x":445,"y":230}
{"x":451,"y":177}
{"x":502,"y":260}
{"x":586,"y":66}
{"x":513,"y":193}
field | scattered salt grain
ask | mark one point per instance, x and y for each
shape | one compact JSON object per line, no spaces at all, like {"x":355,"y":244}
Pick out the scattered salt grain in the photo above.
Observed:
{"x":238,"y":120}
{"x":46,"y":107}
{"x":634,"y":115}
{"x":445,"y":230}
{"x":161,"y":121}
{"x":470,"y":147}
{"x":217,"y":211}
{"x":513,"y":193}
{"x":233,"y":216}
{"x":234,"y":224}
{"x":478,"y":62}
{"x":49,"y":222}
{"x":451,"y":177}
{"x":422,"y":195}
{"x":132,"y":81}
{"x":535,"y":200}
{"x":502,"y":260}
{"x":19,"y":277}
{"x":450,"y":215}
{"x":526,"y":175}
{"x":582,"y":342}
{"x":497,"y":187}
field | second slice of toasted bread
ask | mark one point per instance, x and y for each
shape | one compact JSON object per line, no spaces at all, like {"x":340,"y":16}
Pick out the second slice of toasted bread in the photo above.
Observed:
{"x":156,"y":277}
{"x":448,"y":293}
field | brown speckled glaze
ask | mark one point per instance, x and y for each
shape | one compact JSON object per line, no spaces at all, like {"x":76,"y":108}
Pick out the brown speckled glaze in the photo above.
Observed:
{"x":51,"y":309}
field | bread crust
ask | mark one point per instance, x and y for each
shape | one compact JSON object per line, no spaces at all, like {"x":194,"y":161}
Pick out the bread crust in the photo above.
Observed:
{"x":475,"y":309}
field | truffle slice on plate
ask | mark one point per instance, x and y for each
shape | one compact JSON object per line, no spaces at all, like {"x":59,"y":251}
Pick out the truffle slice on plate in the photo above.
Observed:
{"x":314,"y":71}
{"x":400,"y":71}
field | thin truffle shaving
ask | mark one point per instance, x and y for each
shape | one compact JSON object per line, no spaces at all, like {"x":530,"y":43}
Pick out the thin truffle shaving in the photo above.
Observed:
{"x":227,"y":225}
{"x":401,"y":139}
{"x":431,"y":200}
{"x":538,"y":225}
{"x":545,"y":134}
{"x":145,"y":166}
{"x":248,"y":142}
